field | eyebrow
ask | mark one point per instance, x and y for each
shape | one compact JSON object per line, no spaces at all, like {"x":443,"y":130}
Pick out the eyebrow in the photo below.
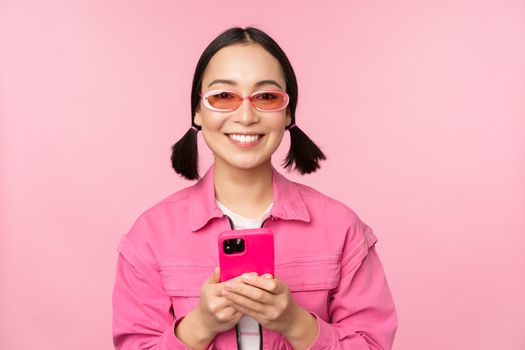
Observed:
{"x":257,"y":84}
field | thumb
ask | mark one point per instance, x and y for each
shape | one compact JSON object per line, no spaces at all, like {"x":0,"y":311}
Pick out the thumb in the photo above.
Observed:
{"x":216,"y":275}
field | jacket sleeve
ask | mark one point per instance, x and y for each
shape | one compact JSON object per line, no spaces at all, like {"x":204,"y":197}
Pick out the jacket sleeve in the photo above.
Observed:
{"x":362,"y":314}
{"x":142,"y":315}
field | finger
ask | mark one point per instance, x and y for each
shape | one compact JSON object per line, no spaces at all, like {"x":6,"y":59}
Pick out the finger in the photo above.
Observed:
{"x":218,"y":287}
{"x":217,"y":304}
{"x":246,"y":311}
{"x":235,"y":279}
{"x":236,"y":313}
{"x":249,"y":291}
{"x":217,"y":273}
{"x":244,"y":301}
{"x":272,"y":285}
{"x":239,"y":277}
{"x":228,"y":313}
{"x":215,"y":276}
{"x":240,"y":315}
{"x":237,"y":316}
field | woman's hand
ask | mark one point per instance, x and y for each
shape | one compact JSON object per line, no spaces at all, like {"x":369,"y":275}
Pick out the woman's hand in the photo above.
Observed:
{"x":270,"y":302}
{"x":211,"y":316}
{"x":214,"y":311}
{"x":266,"y":299}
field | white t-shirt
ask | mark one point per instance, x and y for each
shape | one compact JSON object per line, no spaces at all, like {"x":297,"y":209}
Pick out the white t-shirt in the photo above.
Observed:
{"x":249,"y":335}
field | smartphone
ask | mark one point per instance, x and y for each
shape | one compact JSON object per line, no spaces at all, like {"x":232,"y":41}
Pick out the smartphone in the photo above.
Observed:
{"x":246,"y":250}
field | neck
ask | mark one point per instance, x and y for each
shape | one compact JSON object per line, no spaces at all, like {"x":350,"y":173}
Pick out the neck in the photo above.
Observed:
{"x":246,"y":191}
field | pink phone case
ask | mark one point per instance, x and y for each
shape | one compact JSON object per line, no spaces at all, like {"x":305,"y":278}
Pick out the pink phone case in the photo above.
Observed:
{"x":258,"y":254}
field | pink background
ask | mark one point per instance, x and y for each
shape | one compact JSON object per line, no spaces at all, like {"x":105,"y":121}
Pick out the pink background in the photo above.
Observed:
{"x":419,"y":106}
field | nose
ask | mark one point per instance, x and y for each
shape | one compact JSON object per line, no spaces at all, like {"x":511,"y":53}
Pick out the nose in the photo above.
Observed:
{"x":246,"y":114}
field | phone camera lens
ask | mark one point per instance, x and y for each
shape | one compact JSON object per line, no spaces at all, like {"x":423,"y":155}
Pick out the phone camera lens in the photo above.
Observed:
{"x":235,"y":245}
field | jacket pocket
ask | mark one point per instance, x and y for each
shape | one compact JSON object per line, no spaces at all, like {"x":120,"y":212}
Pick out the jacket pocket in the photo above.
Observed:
{"x":184,"y":279}
{"x":311,"y":280}
{"x":309,"y":273}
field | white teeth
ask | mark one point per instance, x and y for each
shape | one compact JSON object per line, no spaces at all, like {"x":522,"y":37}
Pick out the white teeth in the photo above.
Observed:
{"x":244,"y":138}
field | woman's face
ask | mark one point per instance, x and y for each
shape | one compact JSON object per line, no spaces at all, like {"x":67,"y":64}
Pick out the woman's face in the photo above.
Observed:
{"x":245,"y":65}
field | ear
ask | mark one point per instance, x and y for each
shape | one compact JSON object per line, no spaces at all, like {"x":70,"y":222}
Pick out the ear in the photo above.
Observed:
{"x":197,"y":120}
{"x":288,"y":119}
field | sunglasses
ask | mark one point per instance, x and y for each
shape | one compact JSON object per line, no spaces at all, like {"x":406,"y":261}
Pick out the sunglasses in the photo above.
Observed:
{"x":229,"y":100}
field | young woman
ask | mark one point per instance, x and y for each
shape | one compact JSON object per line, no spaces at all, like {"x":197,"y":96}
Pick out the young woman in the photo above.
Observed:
{"x":329,"y":290}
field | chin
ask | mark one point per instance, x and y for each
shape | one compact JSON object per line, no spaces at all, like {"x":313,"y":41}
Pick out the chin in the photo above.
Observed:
{"x":246,"y":164}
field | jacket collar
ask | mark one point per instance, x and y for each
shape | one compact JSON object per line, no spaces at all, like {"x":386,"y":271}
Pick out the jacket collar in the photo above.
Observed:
{"x":287,"y":201}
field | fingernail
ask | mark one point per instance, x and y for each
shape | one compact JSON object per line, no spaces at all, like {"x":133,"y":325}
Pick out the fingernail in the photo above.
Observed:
{"x":247,"y":277}
{"x":228,"y":286}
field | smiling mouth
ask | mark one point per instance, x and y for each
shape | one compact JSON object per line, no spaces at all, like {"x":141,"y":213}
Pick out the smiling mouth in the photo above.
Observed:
{"x":245,"y":138}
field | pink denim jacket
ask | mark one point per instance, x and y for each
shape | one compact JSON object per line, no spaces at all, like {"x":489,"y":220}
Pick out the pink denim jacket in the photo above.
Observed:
{"x":323,"y":252}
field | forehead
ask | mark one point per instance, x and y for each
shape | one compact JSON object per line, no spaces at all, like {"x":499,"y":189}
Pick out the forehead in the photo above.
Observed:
{"x":244,"y":64}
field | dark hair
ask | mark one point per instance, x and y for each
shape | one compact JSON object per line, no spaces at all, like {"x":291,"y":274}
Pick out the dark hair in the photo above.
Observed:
{"x":303,"y":152}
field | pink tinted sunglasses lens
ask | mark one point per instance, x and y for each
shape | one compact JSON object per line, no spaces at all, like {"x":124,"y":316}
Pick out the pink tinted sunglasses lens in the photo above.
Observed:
{"x":224,"y":100}
{"x":231,"y":101}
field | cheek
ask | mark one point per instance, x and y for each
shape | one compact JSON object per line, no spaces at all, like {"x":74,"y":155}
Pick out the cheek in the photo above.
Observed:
{"x":212,"y":139}
{"x":276,"y":121}
{"x":211,"y":125}
{"x":212,"y":132}
{"x":278,"y":138}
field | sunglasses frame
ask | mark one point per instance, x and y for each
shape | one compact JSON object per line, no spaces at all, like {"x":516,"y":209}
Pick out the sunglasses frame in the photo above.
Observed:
{"x":205,"y":96}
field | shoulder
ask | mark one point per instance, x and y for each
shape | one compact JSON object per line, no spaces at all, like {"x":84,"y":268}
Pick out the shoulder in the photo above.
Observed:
{"x":174,"y":202}
{"x":161,"y":216}
{"x":334,"y":214}
{"x":154,"y":227}
{"x":317,"y":201}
